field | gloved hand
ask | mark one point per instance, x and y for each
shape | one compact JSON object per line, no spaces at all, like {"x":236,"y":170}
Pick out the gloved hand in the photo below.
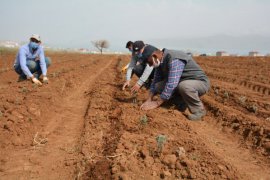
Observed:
{"x":36,"y":81}
{"x":45,"y":80}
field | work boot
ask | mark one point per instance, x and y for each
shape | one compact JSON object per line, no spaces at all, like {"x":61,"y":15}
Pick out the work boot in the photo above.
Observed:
{"x":21,"y":78}
{"x":197,"y":115}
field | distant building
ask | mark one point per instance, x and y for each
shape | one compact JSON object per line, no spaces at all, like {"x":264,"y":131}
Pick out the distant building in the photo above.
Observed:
{"x":254,"y":53}
{"x":222,"y":53}
{"x":9,"y":44}
{"x":83,"y":50}
{"x":203,"y":54}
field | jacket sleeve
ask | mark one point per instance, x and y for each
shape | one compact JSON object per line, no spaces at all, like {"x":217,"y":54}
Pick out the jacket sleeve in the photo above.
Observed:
{"x":146,"y":73}
{"x":22,"y":61}
{"x":42,"y":62}
{"x":130,"y":67}
{"x":176,"y":68}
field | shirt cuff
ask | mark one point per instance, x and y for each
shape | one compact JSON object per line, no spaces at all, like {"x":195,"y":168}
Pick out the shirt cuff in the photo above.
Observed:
{"x":162,"y":96}
{"x":140,"y":82}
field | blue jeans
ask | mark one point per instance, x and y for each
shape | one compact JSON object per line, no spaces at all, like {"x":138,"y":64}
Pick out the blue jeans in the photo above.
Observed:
{"x":33,"y":66}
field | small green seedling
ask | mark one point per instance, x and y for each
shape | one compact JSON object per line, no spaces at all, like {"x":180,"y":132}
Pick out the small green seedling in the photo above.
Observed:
{"x":161,"y":139}
{"x":144,"y":120}
{"x":242,"y":100}
{"x":253,"y":108}
{"x":226,"y":95}
{"x":134,"y":98}
{"x":24,"y":90}
{"x":34,"y":86}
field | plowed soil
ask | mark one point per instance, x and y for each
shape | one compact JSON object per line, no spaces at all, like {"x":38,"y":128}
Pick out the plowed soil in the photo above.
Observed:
{"x":83,"y":126}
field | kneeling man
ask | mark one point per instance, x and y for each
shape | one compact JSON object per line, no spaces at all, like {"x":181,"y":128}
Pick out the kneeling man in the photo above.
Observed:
{"x":178,"y":77}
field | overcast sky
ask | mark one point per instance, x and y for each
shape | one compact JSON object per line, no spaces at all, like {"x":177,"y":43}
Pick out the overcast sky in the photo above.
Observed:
{"x":75,"y":23}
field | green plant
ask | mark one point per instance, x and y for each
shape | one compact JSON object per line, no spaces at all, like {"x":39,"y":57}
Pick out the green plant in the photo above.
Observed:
{"x":226,"y":95}
{"x":216,"y":91}
{"x":144,"y":120}
{"x":24,"y":90}
{"x":134,"y":98}
{"x":161,"y":140}
{"x":253,"y":108}
{"x":54,"y":74}
{"x":194,"y":157}
{"x":242,"y":100}
{"x":34,"y":85}
{"x":29,"y":119}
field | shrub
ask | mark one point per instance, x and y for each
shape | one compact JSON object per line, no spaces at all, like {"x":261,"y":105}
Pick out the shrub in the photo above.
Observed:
{"x":24,"y":90}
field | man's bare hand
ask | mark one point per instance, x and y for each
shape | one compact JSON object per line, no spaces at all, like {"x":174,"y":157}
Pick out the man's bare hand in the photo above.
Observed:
{"x":36,"y":81}
{"x":127,"y":84}
{"x":149,"y":105}
{"x":135,"y":88}
{"x":45,"y":80}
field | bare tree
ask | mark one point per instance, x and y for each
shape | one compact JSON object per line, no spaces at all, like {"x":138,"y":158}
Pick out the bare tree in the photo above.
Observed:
{"x":101,"y":44}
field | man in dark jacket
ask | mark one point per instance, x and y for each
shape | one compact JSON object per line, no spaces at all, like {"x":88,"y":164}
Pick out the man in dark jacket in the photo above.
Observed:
{"x":177,"y":76}
{"x":138,"y":65}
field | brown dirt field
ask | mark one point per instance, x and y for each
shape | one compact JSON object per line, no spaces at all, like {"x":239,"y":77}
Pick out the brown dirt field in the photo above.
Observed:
{"x":83,"y":126}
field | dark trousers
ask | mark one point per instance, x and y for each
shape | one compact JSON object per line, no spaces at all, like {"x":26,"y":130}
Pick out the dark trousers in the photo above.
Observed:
{"x":34,"y":67}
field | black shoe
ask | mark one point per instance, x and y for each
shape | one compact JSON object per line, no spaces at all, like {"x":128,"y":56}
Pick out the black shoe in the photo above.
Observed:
{"x":181,"y":107}
{"x":22,"y":78}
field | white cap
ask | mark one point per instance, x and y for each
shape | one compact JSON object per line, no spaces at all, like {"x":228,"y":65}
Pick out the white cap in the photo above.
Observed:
{"x":36,"y":36}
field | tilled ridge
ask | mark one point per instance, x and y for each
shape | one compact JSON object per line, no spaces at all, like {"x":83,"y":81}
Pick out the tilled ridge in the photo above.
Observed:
{"x":102,"y":129}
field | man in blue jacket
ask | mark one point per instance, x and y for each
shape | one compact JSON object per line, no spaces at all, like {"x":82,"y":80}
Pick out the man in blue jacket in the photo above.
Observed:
{"x":31,"y":62}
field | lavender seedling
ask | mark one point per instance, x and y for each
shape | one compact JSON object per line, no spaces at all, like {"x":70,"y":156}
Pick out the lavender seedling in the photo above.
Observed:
{"x":144,"y":120}
{"x":161,"y":139}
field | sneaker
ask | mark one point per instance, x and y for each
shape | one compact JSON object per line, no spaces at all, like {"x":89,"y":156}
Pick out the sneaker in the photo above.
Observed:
{"x":197,"y":115}
{"x":22,"y":78}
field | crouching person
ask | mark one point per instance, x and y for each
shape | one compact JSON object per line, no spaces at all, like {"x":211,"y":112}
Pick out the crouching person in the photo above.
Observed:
{"x":138,"y":65}
{"x":31,"y":62}
{"x":177,"y":77}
